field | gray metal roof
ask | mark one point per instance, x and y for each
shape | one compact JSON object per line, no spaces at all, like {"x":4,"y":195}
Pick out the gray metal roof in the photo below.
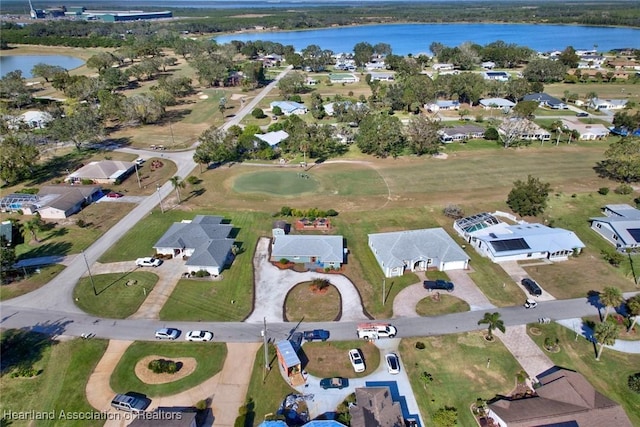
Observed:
{"x":327,"y":248}
{"x":288,"y":354}
{"x":621,"y":226}
{"x":394,"y":248}
{"x":104,"y":169}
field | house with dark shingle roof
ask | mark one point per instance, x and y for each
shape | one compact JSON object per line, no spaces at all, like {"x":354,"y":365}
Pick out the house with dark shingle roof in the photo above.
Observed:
{"x":565,"y":398}
{"x":620,"y":226}
{"x":322,"y":251}
{"x":417,"y":250}
{"x":204,"y":241}
{"x":375,"y":408}
{"x":546,"y":100}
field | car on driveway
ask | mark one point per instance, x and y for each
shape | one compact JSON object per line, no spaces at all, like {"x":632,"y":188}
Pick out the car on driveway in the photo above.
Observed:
{"x":139,"y":161}
{"x":531,"y":286}
{"x":439,"y":284}
{"x":167,"y":334}
{"x":148,"y":262}
{"x":199,"y":336}
{"x":356,"y":360}
{"x":530,"y":303}
{"x":114,"y":195}
{"x":335,"y":382}
{"x":393,"y":363}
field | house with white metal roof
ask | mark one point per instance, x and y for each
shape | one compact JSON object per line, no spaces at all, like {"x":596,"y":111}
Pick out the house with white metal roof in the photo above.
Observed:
{"x":204,"y":241}
{"x":442,"y":104}
{"x":497,"y":103}
{"x":315,"y":250}
{"x":500,"y":241}
{"x":273,"y":138}
{"x":620,"y":226}
{"x":289,"y":107}
{"x":417,"y":250}
{"x":102,"y":172}
{"x":607,"y":104}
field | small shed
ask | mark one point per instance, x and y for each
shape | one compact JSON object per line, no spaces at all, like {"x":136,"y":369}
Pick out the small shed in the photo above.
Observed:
{"x":280,"y":228}
{"x":290,"y":362}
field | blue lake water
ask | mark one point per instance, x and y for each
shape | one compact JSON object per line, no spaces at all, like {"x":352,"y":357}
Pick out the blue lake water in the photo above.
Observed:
{"x":416,"y":38}
{"x":25,"y":63}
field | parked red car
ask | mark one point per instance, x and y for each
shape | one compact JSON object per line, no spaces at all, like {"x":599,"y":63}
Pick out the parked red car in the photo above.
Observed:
{"x":114,"y":195}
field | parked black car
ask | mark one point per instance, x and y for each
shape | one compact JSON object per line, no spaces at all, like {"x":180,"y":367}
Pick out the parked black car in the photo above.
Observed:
{"x":533,"y":288}
{"x":438,"y":284}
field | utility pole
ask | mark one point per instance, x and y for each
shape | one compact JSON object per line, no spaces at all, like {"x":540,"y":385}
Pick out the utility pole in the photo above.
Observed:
{"x":265,"y":350}
{"x":138,"y":176}
{"x":159,"y":197}
{"x":90,"y":276}
{"x":384,"y":283}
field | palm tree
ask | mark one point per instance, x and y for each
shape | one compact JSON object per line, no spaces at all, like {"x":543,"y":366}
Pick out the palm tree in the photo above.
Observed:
{"x":493,"y":321}
{"x":177,"y":183}
{"x":32,"y":226}
{"x":590,"y":97}
{"x":610,"y":297}
{"x":557,"y":127}
{"x":633,"y":308}
{"x":605,"y":334}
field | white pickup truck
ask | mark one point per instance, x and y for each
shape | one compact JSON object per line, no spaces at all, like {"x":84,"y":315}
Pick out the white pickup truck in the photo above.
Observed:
{"x":148,"y":262}
{"x":373,"y":331}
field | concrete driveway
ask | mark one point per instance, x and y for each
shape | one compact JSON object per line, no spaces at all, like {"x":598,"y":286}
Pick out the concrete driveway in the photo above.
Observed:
{"x":273,"y":284}
{"x":328,"y":400}
{"x":404,"y":304}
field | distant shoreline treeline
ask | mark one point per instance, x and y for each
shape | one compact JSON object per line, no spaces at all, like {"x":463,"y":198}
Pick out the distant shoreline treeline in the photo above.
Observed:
{"x":203,"y":21}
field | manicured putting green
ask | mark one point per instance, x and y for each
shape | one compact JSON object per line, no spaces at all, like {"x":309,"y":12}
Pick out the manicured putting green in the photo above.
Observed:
{"x":277,"y":182}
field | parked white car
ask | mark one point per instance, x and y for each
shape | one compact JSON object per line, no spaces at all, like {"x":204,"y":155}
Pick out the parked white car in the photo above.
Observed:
{"x":199,"y":336}
{"x":393,"y":363}
{"x":356,"y":360}
{"x":148,"y":262}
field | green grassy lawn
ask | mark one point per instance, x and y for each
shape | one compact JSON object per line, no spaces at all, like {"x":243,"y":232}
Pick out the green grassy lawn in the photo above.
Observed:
{"x":588,"y":271}
{"x":209,"y":356}
{"x":33,"y":281}
{"x":446,"y":304}
{"x":60,"y":386}
{"x":266,"y":392}
{"x":211,"y":300}
{"x":458,"y":366}
{"x":285,"y":183}
{"x":119,"y":295}
{"x":608,"y":376}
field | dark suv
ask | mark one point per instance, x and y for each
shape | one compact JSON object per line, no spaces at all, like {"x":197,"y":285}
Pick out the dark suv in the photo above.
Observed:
{"x":438,"y":284}
{"x":533,"y":288}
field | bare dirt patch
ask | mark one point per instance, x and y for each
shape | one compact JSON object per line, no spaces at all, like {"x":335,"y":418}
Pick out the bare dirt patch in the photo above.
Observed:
{"x":147,"y":376}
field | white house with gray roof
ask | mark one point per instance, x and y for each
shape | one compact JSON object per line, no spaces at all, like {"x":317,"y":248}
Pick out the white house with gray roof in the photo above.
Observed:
{"x":500,"y":241}
{"x":417,"y":250}
{"x":204,"y":241}
{"x":620,"y":226}
{"x":316,"y":250}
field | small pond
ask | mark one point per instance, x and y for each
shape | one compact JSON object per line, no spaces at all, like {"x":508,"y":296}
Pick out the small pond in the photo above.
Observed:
{"x":25,"y":63}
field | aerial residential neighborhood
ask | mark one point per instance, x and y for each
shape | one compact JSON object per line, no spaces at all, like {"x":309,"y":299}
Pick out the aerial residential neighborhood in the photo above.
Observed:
{"x":202,"y":232}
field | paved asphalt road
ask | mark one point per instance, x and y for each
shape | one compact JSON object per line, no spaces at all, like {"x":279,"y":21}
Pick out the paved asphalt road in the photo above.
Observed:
{"x":72,"y":323}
